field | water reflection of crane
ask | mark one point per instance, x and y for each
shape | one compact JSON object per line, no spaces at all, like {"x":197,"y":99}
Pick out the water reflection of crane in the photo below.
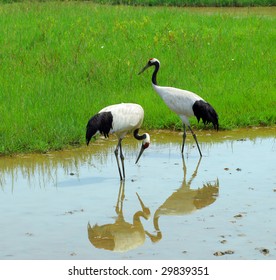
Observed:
{"x":120,"y":236}
{"x":185,"y":200}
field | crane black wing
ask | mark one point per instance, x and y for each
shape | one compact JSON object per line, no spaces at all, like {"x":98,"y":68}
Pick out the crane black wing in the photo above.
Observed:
{"x":101,"y":122}
{"x":203,"y":110}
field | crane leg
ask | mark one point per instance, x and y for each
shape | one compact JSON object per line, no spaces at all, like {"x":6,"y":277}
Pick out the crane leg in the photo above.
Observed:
{"x":116,"y":155}
{"x":195,"y":140}
{"x":184,"y":138}
{"x":122,"y":159}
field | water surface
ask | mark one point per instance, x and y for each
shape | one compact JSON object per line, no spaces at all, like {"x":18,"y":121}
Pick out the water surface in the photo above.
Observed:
{"x":71,"y":204}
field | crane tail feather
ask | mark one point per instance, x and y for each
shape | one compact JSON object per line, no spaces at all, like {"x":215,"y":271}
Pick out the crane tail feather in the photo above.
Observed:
{"x":101,"y":122}
{"x":90,"y":132}
{"x":206,"y":112}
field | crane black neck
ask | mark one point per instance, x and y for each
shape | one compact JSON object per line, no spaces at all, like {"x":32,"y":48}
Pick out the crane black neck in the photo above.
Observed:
{"x":153,"y":79}
{"x":137,"y":136}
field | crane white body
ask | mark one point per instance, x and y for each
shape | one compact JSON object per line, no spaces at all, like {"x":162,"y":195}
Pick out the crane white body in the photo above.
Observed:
{"x":126,"y":117}
{"x":178,"y":100}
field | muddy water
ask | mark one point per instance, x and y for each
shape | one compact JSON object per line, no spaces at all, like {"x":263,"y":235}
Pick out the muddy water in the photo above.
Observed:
{"x":71,"y":205}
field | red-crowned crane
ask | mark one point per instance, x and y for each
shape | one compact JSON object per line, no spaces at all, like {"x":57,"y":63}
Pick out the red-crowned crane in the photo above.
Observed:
{"x":184,"y":103}
{"x":119,"y":119}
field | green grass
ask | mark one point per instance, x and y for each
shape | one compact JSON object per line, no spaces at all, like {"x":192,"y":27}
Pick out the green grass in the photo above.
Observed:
{"x":63,"y":62}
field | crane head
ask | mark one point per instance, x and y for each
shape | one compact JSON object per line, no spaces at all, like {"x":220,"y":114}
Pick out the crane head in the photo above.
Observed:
{"x":145,"y":145}
{"x":151,"y":62}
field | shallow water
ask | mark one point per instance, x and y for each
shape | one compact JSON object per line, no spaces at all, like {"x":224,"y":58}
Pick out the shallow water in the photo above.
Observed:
{"x":71,"y":205}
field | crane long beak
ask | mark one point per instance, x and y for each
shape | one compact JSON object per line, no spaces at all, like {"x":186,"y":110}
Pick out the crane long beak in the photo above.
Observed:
{"x":146,"y":67}
{"x":140,"y":153}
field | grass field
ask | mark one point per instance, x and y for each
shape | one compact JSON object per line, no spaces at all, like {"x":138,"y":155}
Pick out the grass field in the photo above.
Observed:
{"x":62,"y":62}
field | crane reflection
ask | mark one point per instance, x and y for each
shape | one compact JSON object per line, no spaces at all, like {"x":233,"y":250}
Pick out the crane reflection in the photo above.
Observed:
{"x":120,"y":236}
{"x":185,"y":200}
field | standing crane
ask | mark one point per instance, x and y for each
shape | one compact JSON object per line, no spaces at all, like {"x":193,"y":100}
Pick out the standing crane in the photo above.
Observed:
{"x":184,"y":103}
{"x":119,"y":119}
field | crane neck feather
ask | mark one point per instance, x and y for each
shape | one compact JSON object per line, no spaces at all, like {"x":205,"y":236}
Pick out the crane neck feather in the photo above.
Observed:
{"x":154,"y":74}
{"x":137,"y":136}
